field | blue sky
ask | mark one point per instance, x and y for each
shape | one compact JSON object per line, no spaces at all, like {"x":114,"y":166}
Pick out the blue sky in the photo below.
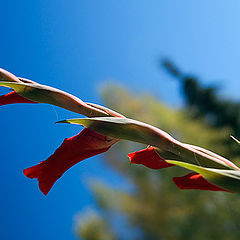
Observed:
{"x":76,"y":46}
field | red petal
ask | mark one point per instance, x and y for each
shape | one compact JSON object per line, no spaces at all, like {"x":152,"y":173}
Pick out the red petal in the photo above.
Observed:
{"x":196,"y":181}
{"x":73,"y":150}
{"x":149,"y":158}
{"x":13,"y":97}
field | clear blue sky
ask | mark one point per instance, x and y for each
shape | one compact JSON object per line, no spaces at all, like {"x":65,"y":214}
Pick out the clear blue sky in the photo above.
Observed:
{"x":76,"y":46}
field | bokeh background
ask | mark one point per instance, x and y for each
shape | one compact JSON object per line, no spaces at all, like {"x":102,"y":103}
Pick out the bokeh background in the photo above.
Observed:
{"x":113,"y":53}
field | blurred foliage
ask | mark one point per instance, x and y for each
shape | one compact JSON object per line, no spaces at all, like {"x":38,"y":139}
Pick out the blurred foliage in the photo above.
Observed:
{"x":93,"y":227}
{"x":152,"y":206}
{"x":205,"y":103}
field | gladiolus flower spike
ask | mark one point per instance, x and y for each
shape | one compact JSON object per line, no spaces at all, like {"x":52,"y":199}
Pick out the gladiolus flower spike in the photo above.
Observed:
{"x":105,"y":127}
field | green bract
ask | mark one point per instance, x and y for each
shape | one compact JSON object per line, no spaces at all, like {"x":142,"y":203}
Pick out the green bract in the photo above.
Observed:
{"x":45,"y":94}
{"x":227,"y":179}
{"x":129,"y":129}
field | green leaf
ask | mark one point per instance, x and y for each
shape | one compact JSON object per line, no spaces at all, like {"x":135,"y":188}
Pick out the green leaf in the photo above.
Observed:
{"x":227,"y":179}
{"x":129,"y":129}
{"x":45,"y":94}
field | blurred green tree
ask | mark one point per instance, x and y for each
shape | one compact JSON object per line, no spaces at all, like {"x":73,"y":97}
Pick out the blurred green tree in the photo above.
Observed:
{"x":204,"y":102}
{"x":151,"y":206}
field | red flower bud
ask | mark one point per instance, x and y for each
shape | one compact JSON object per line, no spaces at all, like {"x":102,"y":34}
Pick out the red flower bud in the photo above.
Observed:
{"x":149,"y":158}
{"x":72,"y":151}
{"x":196,"y":181}
{"x":13,"y":97}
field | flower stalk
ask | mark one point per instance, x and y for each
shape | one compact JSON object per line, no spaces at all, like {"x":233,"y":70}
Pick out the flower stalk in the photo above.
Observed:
{"x":105,"y":127}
